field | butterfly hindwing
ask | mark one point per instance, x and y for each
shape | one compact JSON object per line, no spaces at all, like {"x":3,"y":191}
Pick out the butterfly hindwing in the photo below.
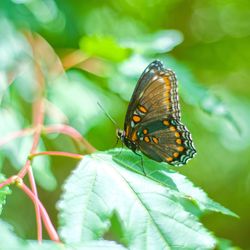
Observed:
{"x":166,"y":140}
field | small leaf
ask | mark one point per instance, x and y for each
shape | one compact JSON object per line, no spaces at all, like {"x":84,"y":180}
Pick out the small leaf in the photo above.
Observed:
{"x":149,"y":212}
{"x":223,"y":244}
{"x":160,"y":42}
{"x":3,"y":192}
{"x":105,"y":47}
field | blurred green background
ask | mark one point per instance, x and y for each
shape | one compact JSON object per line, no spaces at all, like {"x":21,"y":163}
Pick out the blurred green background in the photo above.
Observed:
{"x":103,"y":47}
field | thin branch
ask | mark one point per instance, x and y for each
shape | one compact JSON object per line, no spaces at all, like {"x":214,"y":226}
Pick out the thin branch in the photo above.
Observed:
{"x":70,"y":131}
{"x":38,"y":118}
{"x":37,"y":208}
{"x":57,"y":153}
{"x":15,"y":135}
{"x":46,"y":220}
{"x":9,"y":181}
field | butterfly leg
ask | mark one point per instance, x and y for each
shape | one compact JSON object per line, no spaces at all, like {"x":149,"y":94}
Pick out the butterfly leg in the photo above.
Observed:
{"x":119,"y":151}
{"x":142,"y":166}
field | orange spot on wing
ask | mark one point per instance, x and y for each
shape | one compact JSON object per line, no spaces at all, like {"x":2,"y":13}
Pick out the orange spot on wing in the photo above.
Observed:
{"x":167,"y":94}
{"x":176,"y":154}
{"x":180,"y":148}
{"x":142,"y":109}
{"x":127,"y":131}
{"x":155,"y":140}
{"x":178,"y":141}
{"x":146,"y":139}
{"x":145,"y":131}
{"x":169,"y":159}
{"x":177,"y":134}
{"x":166,"y":122}
{"x":136,"y":118}
{"x":167,"y":82}
{"x":172,"y":128}
{"x":134,"y":136}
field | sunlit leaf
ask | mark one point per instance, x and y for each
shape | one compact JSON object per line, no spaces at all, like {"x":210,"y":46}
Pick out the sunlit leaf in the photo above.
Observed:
{"x":3,"y":192}
{"x":159,"y":42}
{"x":179,"y":184}
{"x":223,"y":244}
{"x":148,"y":211}
{"x":102,"y":46}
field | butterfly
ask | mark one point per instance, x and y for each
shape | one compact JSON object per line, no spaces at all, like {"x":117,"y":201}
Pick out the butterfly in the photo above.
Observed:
{"x":152,"y":123}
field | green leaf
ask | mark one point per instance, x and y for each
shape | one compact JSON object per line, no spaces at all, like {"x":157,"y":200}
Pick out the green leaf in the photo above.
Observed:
{"x":3,"y":192}
{"x":224,"y":244}
{"x":160,"y":42}
{"x":83,"y":113}
{"x":179,"y":184}
{"x":149,"y":212}
{"x":105,"y":47}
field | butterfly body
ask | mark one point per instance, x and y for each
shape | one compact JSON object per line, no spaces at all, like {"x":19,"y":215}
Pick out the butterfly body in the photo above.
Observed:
{"x":152,"y":124}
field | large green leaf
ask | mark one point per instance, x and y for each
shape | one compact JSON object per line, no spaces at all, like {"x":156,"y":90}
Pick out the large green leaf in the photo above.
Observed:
{"x":151,"y":215}
{"x":3,"y":192}
{"x":177,"y":183}
{"x":9,"y":241}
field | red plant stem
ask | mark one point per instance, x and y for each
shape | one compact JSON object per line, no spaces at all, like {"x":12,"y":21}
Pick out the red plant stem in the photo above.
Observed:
{"x":38,"y":117}
{"x":8,"y":181}
{"x":46,"y":220}
{"x":70,"y":131}
{"x":37,"y":208}
{"x":16,"y":134}
{"x":57,"y":153}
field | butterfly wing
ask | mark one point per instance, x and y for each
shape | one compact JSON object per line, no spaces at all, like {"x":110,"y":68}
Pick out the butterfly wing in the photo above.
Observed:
{"x":154,"y":108}
{"x":166,"y":140}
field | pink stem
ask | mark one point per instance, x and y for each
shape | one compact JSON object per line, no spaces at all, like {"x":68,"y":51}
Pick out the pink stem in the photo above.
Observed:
{"x":70,"y":131}
{"x":46,"y":220}
{"x":8,"y":181}
{"x":57,"y":153}
{"x":37,"y":208}
{"x":16,"y":134}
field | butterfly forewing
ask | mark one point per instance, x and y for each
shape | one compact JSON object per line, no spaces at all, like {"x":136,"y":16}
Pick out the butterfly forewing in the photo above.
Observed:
{"x":152,"y":123}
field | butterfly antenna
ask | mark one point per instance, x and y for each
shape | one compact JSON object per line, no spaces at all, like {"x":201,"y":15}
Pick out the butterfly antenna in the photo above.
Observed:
{"x":108,"y":115}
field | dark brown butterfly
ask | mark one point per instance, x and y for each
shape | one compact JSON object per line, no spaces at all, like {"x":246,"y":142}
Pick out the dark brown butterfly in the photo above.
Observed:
{"x":152,"y":124}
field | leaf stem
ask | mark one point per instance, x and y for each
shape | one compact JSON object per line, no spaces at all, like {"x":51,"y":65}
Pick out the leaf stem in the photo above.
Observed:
{"x":70,"y":131}
{"x":46,"y":220}
{"x":57,"y":153}
{"x":16,"y":134}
